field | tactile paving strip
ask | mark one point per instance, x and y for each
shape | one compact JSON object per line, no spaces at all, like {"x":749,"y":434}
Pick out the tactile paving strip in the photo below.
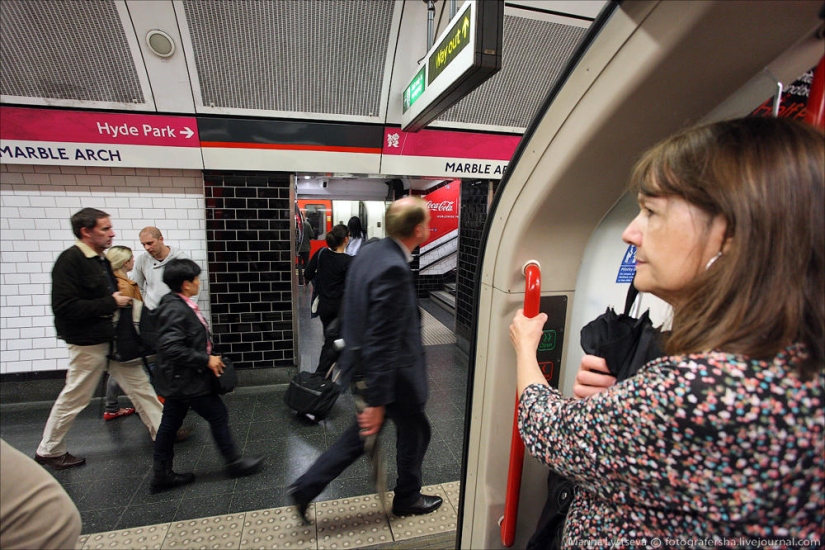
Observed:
{"x":214,"y":532}
{"x":278,"y":528}
{"x":442,"y":520}
{"x":355,"y":522}
{"x":151,"y":536}
{"x":433,"y":332}
{"x":352,"y":523}
{"x":453,"y":490}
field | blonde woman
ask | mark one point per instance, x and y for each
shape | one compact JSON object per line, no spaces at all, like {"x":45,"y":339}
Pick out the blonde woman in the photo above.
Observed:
{"x":150,"y":409}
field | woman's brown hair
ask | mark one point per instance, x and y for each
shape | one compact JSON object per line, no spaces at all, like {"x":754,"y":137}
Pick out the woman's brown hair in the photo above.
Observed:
{"x":765,"y":177}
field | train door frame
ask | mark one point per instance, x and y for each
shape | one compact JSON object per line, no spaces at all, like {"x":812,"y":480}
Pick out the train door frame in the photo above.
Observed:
{"x":571,"y":168}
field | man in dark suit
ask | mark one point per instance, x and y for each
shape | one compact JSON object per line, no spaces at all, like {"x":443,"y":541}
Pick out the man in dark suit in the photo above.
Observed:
{"x":382,"y":330}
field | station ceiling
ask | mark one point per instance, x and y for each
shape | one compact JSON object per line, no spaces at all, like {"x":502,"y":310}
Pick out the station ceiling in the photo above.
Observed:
{"x":332,"y":60}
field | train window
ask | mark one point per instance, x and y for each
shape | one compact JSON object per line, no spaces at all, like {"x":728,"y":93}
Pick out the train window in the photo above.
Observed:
{"x":317,"y":215}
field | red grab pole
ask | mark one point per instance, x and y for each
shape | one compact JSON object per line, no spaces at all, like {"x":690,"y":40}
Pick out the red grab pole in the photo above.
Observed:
{"x":532,"y":299}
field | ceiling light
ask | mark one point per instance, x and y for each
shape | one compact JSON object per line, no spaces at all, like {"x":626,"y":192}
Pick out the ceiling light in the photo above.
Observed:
{"x":160,"y":43}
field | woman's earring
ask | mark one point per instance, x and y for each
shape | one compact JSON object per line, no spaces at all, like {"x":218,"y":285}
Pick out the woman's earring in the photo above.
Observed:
{"x":710,"y":262}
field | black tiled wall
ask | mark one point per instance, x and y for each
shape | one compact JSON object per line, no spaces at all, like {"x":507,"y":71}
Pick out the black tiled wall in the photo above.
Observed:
{"x":250,"y":279}
{"x":474,"y":197}
{"x":430,"y":283}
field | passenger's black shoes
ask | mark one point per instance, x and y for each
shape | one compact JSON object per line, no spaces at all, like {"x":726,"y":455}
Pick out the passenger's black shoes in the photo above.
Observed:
{"x":244,"y":466}
{"x":302,"y":506}
{"x":424,"y":505}
{"x":164,"y":478}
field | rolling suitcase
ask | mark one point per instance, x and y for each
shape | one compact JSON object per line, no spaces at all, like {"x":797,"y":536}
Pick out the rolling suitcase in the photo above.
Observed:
{"x":312,"y":394}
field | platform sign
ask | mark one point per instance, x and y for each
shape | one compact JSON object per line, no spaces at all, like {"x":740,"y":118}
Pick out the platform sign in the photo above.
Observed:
{"x":447,"y":153}
{"x":415,"y":88}
{"x":454,"y":42}
{"x":88,"y":138}
{"x":466,"y":54}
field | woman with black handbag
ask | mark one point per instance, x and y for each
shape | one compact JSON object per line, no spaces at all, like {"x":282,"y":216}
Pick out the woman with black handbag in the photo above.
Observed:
{"x":328,"y":272}
{"x":185,"y":376}
{"x":143,"y":395}
{"x":122,"y":260}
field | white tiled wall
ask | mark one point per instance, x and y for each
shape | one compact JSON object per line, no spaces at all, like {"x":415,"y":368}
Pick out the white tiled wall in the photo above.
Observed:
{"x":441,"y":255}
{"x":36,"y":203}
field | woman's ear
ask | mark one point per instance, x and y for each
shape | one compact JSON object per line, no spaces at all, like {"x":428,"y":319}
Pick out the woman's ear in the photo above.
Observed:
{"x":727,"y":245}
{"x":186,"y":287}
{"x":721,"y":239}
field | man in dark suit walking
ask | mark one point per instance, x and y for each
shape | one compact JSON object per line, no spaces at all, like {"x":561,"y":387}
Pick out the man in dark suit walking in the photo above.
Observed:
{"x":382,"y":331}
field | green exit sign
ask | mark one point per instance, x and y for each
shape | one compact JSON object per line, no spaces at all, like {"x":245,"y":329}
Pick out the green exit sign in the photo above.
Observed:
{"x":548,"y":340}
{"x":415,"y":89}
{"x":456,"y":39}
{"x":466,"y":54}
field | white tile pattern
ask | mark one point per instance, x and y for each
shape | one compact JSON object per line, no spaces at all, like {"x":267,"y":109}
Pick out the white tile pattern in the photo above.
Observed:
{"x":36,"y":203}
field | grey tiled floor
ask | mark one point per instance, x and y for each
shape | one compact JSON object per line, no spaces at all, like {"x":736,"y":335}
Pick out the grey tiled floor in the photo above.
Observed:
{"x":111,"y":490}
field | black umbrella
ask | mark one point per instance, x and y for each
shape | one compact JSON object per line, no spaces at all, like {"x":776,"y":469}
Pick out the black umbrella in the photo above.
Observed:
{"x":625,"y":342}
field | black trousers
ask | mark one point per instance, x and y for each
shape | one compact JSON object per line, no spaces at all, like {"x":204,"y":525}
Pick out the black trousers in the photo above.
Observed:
{"x":211,"y":408}
{"x":329,"y":355}
{"x":413,"y":438}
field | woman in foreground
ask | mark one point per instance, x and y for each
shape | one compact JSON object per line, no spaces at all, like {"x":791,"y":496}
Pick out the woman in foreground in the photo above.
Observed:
{"x":723,"y":437}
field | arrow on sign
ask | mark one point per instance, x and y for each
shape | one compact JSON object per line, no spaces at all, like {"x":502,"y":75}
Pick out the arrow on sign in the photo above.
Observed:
{"x":465,"y":26}
{"x":187,"y":132}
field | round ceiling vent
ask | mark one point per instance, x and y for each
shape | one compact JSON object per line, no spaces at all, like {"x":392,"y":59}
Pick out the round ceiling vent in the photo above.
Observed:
{"x":160,"y":43}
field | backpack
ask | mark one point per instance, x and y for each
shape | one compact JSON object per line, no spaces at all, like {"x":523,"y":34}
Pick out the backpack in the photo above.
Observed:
{"x":136,"y":333}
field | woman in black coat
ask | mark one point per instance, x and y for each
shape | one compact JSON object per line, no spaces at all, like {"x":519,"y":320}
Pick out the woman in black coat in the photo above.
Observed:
{"x":328,"y":272}
{"x":185,"y":375}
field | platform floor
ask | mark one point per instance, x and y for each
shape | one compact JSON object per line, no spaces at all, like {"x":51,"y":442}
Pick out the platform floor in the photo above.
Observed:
{"x":112,"y":489}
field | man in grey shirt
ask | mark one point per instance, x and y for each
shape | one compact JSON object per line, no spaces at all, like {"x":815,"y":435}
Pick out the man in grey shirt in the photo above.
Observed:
{"x":148,"y":270}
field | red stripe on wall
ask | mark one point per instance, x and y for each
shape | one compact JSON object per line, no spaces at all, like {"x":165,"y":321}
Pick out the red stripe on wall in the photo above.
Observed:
{"x":291,"y":147}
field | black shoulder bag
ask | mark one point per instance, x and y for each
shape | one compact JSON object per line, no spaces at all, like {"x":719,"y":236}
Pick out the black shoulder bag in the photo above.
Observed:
{"x":228,"y":381}
{"x":136,"y":333}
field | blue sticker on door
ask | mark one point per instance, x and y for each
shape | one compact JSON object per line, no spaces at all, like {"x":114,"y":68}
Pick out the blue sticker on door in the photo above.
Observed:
{"x":628,"y":268}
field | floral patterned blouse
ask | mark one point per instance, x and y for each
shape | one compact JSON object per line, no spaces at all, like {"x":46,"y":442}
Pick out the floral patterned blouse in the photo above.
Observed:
{"x":706,"y":447}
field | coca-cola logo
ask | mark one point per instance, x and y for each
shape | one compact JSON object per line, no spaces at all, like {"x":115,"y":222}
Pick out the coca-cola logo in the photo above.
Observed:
{"x":443,"y":206}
